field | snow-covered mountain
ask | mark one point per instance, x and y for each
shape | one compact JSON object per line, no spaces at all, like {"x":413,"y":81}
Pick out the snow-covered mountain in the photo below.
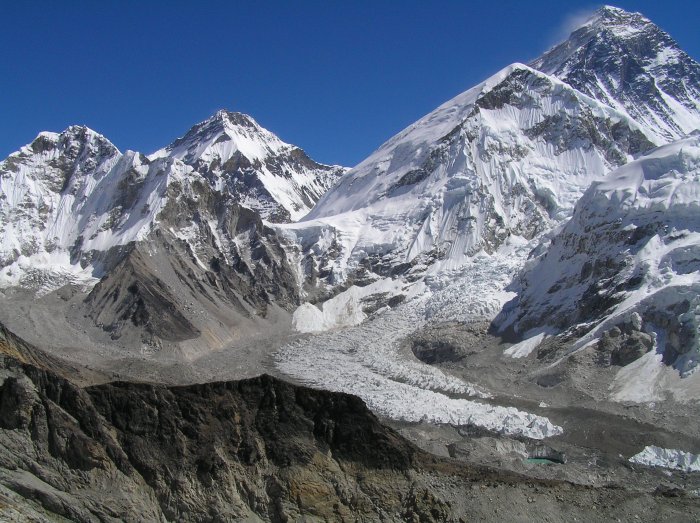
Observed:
{"x":625,"y":61}
{"x":68,"y":199}
{"x":68,"y":196}
{"x":275,"y":179}
{"x":191,"y":229}
{"x":626,"y":266}
{"x":157,"y":234}
{"x":509,"y":157}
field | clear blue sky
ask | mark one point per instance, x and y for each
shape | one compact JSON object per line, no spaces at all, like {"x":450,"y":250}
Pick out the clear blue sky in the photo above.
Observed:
{"x":336,"y":78}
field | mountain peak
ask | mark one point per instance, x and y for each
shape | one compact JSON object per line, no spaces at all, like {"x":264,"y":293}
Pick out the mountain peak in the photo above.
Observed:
{"x":221,"y":135}
{"x":627,"y":62}
{"x":261,"y":171}
{"x":612,"y":14}
{"x":74,"y":141}
{"x":623,"y":23}
{"x":229,"y":119}
{"x":81,"y":133}
{"x":222,"y":122}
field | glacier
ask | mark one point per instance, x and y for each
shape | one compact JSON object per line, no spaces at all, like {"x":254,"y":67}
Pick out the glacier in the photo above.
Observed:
{"x":366,"y":359}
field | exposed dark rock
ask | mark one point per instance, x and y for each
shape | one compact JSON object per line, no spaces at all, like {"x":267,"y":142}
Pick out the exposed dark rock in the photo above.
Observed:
{"x":436,"y":351}
{"x":622,"y":346}
{"x":132,"y":296}
{"x":255,"y":450}
{"x":550,"y":380}
{"x":437,"y":344}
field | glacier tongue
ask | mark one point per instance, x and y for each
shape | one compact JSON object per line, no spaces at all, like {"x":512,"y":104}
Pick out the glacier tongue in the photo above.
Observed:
{"x":366,"y":359}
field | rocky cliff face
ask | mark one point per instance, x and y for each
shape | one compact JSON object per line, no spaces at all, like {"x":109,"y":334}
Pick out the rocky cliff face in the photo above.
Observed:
{"x":257,"y":449}
{"x":625,"y":61}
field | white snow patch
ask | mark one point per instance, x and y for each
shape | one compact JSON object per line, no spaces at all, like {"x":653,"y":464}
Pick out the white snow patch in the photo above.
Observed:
{"x":525,"y":347}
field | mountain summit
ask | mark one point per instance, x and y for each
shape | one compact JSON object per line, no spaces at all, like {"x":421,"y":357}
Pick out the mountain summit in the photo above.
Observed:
{"x":625,"y":61}
{"x":261,"y":172}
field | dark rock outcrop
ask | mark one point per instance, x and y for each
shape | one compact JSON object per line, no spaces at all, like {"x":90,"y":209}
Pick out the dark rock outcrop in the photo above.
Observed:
{"x":623,"y":344}
{"x":255,"y":450}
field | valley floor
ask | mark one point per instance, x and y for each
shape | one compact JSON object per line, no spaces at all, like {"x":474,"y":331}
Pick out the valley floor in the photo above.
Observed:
{"x":429,"y":368}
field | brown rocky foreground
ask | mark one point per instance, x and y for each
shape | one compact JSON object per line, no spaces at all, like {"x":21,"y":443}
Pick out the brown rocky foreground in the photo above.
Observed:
{"x":252,"y":450}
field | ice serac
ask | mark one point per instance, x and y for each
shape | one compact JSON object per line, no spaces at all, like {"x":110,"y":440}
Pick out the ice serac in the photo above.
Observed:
{"x":260,"y":171}
{"x":508,"y":157}
{"x":625,"y":270}
{"x":625,"y":61}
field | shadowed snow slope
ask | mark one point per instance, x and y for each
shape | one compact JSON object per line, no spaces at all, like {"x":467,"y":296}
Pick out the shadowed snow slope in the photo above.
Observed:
{"x":629,"y":259}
